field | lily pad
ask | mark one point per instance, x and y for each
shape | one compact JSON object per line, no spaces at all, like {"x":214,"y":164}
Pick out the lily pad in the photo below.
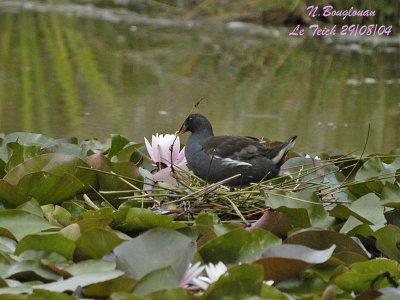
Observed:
{"x":367,"y":209}
{"x":136,"y":220}
{"x":97,"y":242}
{"x":281,"y":262}
{"x":388,"y":241}
{"x":49,"y":241}
{"x":238,"y":246}
{"x":240,"y":282}
{"x":52,"y":163}
{"x":21,"y":223}
{"x":322,"y":239}
{"x":157,"y":280}
{"x":155,"y":249}
{"x":44,"y":187}
{"x":303,"y":208}
{"x":377,"y":273}
{"x":71,"y":284}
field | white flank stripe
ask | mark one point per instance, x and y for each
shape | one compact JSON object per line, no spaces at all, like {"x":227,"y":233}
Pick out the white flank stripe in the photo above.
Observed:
{"x":232,"y":162}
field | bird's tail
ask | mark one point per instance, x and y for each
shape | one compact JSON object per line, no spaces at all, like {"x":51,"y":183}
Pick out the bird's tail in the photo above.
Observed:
{"x":280,"y":151}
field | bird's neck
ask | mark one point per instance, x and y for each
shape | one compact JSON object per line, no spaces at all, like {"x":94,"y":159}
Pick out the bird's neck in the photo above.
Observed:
{"x":202,"y":135}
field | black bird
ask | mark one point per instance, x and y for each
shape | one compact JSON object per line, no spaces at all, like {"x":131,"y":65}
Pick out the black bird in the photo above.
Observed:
{"x":215,"y":158}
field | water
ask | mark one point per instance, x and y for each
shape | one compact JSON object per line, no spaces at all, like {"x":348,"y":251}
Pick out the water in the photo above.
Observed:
{"x":100,"y":73}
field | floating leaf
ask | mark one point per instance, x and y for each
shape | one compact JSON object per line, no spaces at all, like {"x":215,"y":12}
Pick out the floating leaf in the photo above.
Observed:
{"x":322,"y":239}
{"x":374,"y":167}
{"x":48,"y":241}
{"x":80,"y":151}
{"x":97,"y":242}
{"x":31,"y":269}
{"x":390,"y":195}
{"x":90,"y":266}
{"x":367,"y":209}
{"x":155,"y":249}
{"x":106,"y":288}
{"x":118,"y":142}
{"x":281,"y":262}
{"x":27,"y":138}
{"x":44,"y":187}
{"x":52,"y":163}
{"x":275,"y":222}
{"x":136,"y":220}
{"x":32,"y":207}
{"x":237,"y":246}
{"x":303,"y":208}
{"x":367,"y":275}
{"x":240,"y":282}
{"x":19,"y":153}
{"x":157,"y":280}
{"x":71,"y":284}
{"x":21,"y":223}
{"x":110,"y":182}
{"x":388,"y":241}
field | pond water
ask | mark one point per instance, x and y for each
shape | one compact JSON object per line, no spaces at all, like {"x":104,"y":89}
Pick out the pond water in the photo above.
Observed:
{"x":94,"y":74}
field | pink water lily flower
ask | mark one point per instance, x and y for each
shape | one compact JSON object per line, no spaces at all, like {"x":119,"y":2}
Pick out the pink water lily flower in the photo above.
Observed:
{"x":164,"y":151}
{"x":163,"y":147}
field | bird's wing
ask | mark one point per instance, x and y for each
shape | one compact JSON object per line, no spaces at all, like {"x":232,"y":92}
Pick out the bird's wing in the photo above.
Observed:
{"x":234,"y":147}
{"x":241,"y":148}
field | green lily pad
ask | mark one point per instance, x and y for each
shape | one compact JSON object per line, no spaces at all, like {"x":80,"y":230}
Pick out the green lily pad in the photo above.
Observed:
{"x":151,"y":251}
{"x":48,"y":241}
{"x":303,"y":208}
{"x":90,"y":266}
{"x":109,"y":182}
{"x":44,"y":187}
{"x":52,"y":163}
{"x":106,"y":288}
{"x":97,"y":242}
{"x":20,"y":270}
{"x":390,"y":195}
{"x":375,"y":167}
{"x":118,"y":142}
{"x":237,"y":246}
{"x":157,"y":280}
{"x":240,"y":282}
{"x":367,"y":209}
{"x":388,"y":241}
{"x":135,"y":220}
{"x":21,"y":223}
{"x":27,"y":138}
{"x":369,"y":275}
{"x":71,"y":284}
{"x":19,"y":153}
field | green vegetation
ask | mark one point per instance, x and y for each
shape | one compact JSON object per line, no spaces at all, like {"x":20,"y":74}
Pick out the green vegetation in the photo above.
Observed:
{"x":75,"y":222}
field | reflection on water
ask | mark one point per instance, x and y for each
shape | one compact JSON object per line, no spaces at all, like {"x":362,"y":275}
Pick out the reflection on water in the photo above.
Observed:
{"x":65,"y":76}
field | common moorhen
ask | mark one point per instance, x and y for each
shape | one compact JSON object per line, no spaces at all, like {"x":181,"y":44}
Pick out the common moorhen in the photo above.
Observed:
{"x":215,"y":158}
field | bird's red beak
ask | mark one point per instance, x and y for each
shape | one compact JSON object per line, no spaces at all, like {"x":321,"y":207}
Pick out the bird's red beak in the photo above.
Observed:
{"x":182,"y":130}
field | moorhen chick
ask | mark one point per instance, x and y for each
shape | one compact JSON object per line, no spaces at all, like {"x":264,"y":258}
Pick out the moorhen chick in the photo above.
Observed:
{"x":215,"y":158}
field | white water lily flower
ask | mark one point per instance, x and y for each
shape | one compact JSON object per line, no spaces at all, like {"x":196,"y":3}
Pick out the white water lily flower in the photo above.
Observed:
{"x":191,"y":273}
{"x":269,"y":282}
{"x":164,"y":149}
{"x":193,"y":279}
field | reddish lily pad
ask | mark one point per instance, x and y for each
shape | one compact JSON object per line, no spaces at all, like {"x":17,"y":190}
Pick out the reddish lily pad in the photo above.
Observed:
{"x":281,"y":262}
{"x":322,"y":239}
